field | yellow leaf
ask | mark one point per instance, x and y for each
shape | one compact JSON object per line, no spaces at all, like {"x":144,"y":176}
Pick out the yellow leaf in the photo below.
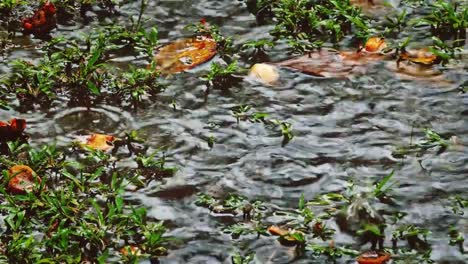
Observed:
{"x":99,"y":142}
{"x":185,"y":54}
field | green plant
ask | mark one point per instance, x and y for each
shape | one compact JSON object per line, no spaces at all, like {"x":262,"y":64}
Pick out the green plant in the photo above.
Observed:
{"x":448,"y":20}
{"x":240,"y":259}
{"x":307,"y":24}
{"x":223,"y":77}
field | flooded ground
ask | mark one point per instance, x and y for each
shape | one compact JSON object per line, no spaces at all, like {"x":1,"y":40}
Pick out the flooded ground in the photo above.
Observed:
{"x":343,"y":129}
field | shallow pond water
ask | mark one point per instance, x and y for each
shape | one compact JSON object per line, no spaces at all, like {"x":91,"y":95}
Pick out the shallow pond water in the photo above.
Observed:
{"x":342,"y":129}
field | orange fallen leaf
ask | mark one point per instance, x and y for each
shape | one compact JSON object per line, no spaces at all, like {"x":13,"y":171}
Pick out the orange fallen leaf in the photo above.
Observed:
{"x":375,"y":44}
{"x":277,"y":231}
{"x":185,"y":54}
{"x":372,"y":257}
{"x":23,"y":179}
{"x":422,"y":56}
{"x":99,"y":142}
{"x":286,"y":236}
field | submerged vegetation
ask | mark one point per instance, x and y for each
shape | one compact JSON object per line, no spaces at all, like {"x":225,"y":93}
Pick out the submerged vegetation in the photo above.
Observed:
{"x":72,"y":203}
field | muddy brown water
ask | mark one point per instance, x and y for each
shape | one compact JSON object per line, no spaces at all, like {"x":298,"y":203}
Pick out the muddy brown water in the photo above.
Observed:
{"x":343,"y":129}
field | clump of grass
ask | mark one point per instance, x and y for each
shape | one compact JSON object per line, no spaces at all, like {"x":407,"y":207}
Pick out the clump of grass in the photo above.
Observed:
{"x":308,"y":24}
{"x":78,"y":212}
{"x":83,"y":75}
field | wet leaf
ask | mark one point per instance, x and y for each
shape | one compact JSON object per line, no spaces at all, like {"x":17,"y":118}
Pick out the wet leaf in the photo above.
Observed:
{"x":332,"y":64}
{"x":375,"y":44}
{"x":99,"y":142}
{"x":277,"y":231}
{"x":185,"y":54}
{"x":372,"y":257}
{"x":422,"y":56}
{"x":22,"y":179}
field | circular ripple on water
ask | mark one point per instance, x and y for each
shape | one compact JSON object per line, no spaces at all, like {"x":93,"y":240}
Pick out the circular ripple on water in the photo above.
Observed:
{"x":81,"y":120}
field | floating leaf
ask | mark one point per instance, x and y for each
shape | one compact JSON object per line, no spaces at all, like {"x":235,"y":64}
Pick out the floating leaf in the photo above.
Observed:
{"x":332,"y":64}
{"x":277,"y":231}
{"x":373,"y":257}
{"x":99,"y":142}
{"x":185,"y":54}
{"x":22,"y":179}
{"x":422,"y":56}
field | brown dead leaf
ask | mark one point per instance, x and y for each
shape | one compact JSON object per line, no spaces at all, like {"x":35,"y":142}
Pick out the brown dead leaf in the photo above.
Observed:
{"x":332,"y":64}
{"x":22,"y":179}
{"x":185,"y":54}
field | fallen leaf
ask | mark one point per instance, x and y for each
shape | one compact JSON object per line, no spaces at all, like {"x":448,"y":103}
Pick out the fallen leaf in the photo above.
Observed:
{"x":287,"y":237}
{"x":266,"y":73}
{"x":375,"y":44}
{"x":373,"y":257}
{"x":22,"y":179}
{"x":422,"y":56}
{"x":185,"y":54}
{"x":332,"y":64}
{"x":99,"y":142}
{"x":277,"y":231}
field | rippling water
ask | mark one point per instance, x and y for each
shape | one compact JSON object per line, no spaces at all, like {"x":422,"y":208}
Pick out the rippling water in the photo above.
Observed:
{"x":343,"y":129}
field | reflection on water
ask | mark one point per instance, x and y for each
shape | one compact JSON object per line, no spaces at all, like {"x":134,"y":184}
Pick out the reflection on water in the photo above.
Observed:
{"x":343,"y":128}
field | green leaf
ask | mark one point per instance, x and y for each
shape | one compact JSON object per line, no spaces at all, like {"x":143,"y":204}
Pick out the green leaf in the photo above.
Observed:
{"x":93,"y":88}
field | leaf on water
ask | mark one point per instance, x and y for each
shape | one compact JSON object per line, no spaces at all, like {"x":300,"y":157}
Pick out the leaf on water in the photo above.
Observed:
{"x":277,"y":231}
{"x":185,"y":54}
{"x":332,"y":64}
{"x":422,"y":56}
{"x":373,"y":257}
{"x":22,"y":179}
{"x":99,"y":142}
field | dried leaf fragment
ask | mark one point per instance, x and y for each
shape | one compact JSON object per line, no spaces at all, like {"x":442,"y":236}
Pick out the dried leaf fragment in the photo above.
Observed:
{"x":185,"y":54}
{"x":22,"y":179}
